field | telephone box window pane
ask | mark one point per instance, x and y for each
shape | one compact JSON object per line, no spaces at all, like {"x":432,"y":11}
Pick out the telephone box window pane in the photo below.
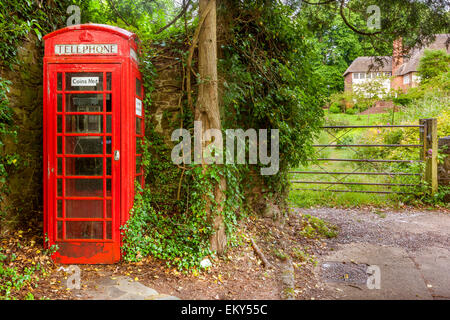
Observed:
{"x":60,"y":167}
{"x":138,"y":126}
{"x":108,"y":187}
{"x":59,"y":145}
{"x":108,"y":81}
{"x":86,"y":209}
{"x":59,"y":102}
{"x":108,"y":209}
{"x":108,"y":166}
{"x":108,"y":145}
{"x":108,"y":230}
{"x":84,"y":166}
{"x":60,"y":208}
{"x":138,"y":164}
{"x":84,"y":103}
{"x":84,"y":124}
{"x":84,"y":145}
{"x":108,"y":124}
{"x":59,"y":188}
{"x":138,"y":146}
{"x":84,"y":188}
{"x":59,"y":124}
{"x":138,"y":88}
{"x":108,"y":103}
{"x":84,"y":81}
{"x":60,"y":230}
{"x":59,"y":82}
{"x":84,"y":230}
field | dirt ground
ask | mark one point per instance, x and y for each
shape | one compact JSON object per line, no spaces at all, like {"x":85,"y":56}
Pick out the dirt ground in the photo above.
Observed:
{"x":411,"y":246}
{"x":240,"y":274}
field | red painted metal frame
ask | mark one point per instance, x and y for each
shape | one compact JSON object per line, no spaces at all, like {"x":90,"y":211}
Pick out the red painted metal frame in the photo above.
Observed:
{"x":124,"y":71}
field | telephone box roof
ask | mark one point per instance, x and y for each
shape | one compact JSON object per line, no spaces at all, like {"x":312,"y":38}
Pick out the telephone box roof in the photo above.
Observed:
{"x":93,"y":26}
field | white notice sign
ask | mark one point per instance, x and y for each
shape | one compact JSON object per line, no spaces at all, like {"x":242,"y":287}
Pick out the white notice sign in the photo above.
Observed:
{"x":75,"y":49}
{"x":138,"y":107}
{"x":85,"y":81}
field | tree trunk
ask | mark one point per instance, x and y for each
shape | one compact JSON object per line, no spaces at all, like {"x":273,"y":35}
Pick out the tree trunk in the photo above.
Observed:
{"x":207,"y":109}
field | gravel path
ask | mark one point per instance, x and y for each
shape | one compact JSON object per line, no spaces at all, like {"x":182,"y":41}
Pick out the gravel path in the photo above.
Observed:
{"x":411,"y":247}
{"x":411,"y":230}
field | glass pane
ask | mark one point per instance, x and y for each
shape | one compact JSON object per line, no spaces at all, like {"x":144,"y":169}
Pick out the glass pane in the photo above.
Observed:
{"x":84,"y":166}
{"x":60,"y":167}
{"x":108,"y":103}
{"x":139,"y":146}
{"x":84,"y":145}
{"x":108,"y":124}
{"x":108,"y":209}
{"x":138,"y":164}
{"x":138,"y":88}
{"x":84,"y":209}
{"x":59,"y":208}
{"x":59,"y":103}
{"x":84,"y":81}
{"x":84,"y":187}
{"x":108,"y":81}
{"x":84,"y":124}
{"x":84,"y":230}
{"x":60,"y":230}
{"x":108,"y":230}
{"x":59,"y":188}
{"x":59,"y":145}
{"x":84,"y":102}
{"x":108,"y":166}
{"x":59,"y":124}
{"x":108,"y":145}
{"x":138,"y":126}
{"x":59,"y":82}
{"x":108,"y":187}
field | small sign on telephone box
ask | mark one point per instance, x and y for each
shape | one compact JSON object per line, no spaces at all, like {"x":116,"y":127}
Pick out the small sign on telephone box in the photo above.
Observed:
{"x":138,"y":107}
{"x":85,"y":81}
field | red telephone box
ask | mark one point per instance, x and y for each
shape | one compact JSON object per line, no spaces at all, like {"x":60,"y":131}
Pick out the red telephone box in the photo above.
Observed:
{"x":93,"y":125}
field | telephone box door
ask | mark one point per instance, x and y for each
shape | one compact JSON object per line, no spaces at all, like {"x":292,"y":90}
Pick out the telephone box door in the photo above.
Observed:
{"x":84,"y":162}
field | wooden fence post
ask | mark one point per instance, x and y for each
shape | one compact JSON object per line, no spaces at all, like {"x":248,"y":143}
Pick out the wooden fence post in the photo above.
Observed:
{"x":430,"y":152}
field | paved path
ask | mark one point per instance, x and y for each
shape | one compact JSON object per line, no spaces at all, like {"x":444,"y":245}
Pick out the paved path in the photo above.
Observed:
{"x":124,"y":288}
{"x":411,"y":249}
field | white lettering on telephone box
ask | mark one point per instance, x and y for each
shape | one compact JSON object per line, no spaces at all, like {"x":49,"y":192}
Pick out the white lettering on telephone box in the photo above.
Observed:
{"x":80,"y":49}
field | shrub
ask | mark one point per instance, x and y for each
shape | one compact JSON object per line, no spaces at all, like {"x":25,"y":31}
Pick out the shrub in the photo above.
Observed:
{"x":352,"y":111}
{"x":334,"y":108}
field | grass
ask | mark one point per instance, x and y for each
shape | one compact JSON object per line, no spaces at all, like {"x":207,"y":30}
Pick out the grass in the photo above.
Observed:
{"x":351,"y":199}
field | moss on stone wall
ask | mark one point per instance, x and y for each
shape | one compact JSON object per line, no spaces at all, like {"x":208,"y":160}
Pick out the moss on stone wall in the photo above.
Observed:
{"x":23,"y":203}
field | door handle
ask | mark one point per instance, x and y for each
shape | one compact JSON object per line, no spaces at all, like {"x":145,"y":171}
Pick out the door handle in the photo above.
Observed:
{"x":117,"y":155}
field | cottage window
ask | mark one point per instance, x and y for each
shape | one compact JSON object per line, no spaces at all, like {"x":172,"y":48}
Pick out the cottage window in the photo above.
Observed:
{"x":356,"y":76}
{"x":406,"y":79}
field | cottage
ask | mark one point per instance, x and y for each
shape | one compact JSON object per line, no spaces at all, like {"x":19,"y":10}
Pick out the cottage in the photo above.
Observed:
{"x":399,"y":71}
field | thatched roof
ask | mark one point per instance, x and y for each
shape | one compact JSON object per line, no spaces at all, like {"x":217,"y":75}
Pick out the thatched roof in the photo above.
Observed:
{"x":442,"y":42}
{"x":372,"y":64}
{"x":411,"y":64}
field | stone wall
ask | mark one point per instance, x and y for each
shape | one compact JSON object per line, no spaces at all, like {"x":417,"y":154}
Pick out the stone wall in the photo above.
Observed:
{"x":24,"y":202}
{"x":165,"y":106}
